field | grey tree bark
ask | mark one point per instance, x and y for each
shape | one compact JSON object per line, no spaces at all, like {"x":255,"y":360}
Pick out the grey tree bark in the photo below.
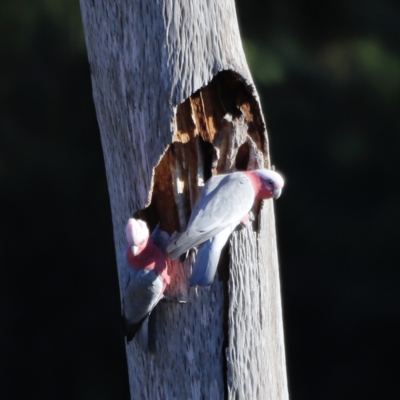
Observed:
{"x":176,"y":103}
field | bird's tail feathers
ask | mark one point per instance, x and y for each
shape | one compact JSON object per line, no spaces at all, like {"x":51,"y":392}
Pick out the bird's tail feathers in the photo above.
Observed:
{"x":207,"y":259}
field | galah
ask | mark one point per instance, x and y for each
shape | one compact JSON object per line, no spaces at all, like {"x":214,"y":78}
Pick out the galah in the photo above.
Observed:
{"x":225,"y":202}
{"x":146,"y":277}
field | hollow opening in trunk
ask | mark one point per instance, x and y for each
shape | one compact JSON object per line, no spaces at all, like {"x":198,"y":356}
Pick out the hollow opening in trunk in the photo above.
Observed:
{"x":218,"y":129}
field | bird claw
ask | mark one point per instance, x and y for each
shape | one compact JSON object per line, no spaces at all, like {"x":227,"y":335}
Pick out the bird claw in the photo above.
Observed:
{"x":183,"y":257}
{"x":190,"y":254}
{"x":172,"y":299}
{"x":247,"y":220}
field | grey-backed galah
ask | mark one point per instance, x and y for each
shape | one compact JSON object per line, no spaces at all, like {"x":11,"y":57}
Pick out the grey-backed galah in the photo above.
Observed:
{"x":224,"y":203}
{"x":147,"y":277}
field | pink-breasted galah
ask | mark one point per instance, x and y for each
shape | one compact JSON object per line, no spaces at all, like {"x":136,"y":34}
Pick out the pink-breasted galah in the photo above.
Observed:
{"x":225,"y":202}
{"x":147,"y":277}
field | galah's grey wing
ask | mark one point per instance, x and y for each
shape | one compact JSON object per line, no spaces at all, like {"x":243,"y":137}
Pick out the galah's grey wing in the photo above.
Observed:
{"x":142,"y":292}
{"x":207,"y":258}
{"x":224,"y":201}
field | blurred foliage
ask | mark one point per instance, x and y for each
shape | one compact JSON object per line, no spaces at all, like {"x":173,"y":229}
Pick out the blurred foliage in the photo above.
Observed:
{"x":328,"y":75}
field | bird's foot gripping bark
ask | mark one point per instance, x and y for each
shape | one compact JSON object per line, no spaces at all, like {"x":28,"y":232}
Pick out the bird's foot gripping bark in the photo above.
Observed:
{"x":173,"y":299}
{"x":190,"y":254}
{"x":247,"y":220}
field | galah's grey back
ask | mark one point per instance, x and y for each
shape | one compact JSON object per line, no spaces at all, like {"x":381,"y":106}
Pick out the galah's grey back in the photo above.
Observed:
{"x":223,"y":202}
{"x":141,"y":292}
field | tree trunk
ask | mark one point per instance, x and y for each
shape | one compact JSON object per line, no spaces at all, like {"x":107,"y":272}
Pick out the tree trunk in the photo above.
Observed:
{"x":176,"y":104}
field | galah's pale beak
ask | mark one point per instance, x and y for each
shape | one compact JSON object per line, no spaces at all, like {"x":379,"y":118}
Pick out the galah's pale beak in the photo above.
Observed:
{"x":134,"y":250}
{"x":277,"y":193}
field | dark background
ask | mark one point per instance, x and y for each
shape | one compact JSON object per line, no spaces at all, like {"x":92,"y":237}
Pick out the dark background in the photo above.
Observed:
{"x":328,"y":74}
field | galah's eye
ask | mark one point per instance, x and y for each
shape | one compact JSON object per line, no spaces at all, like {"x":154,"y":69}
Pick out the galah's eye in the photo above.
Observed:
{"x":270,"y":181}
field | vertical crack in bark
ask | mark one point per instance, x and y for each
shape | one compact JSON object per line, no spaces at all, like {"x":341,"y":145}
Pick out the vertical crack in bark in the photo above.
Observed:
{"x":223,"y":275}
